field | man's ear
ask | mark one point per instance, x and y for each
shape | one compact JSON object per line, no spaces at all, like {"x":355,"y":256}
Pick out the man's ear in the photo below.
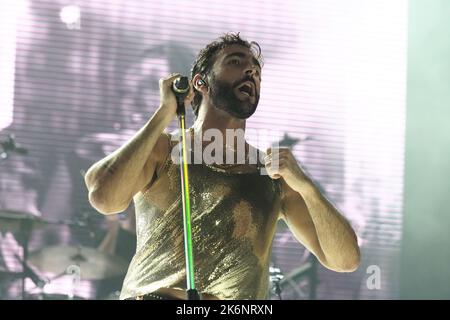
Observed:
{"x":200,"y":83}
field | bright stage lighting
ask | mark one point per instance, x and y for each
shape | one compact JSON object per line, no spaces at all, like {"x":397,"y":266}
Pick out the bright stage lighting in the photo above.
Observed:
{"x":71,"y":15}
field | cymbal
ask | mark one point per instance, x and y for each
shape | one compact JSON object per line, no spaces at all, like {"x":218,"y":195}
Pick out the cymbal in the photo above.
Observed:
{"x":13,"y":221}
{"x":93,"y":264}
{"x":4,"y":272}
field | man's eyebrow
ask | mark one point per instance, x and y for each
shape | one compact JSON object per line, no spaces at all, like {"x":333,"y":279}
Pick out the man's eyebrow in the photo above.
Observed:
{"x":243,"y":55}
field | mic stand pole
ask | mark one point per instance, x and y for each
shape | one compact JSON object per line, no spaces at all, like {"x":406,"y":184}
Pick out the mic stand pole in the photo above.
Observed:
{"x":181,"y":89}
{"x":25,"y":230}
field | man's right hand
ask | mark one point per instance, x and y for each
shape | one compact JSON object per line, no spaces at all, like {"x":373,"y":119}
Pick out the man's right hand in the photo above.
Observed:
{"x":167,"y":96}
{"x":113,"y":181}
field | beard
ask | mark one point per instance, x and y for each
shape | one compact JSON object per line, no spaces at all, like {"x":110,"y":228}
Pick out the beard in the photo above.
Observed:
{"x":224,"y":98}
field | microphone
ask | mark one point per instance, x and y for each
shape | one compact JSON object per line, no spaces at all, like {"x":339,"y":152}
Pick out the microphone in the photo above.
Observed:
{"x":181,"y":89}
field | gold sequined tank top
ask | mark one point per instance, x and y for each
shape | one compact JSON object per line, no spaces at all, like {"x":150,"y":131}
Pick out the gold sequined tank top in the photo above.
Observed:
{"x":234,"y":218}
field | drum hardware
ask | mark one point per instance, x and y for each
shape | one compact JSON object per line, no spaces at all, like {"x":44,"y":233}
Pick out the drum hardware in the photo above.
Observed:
{"x":93,"y":264}
{"x":276,"y":276}
{"x":58,"y":260}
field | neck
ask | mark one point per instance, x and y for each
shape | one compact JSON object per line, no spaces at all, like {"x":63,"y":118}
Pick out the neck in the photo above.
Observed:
{"x":212,"y":117}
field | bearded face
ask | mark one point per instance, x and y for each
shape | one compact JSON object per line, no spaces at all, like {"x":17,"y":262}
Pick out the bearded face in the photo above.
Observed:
{"x":234,"y":81}
{"x":239,"y":98}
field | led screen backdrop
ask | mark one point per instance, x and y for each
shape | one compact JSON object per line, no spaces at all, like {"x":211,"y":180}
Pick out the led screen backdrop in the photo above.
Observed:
{"x":79,"y":77}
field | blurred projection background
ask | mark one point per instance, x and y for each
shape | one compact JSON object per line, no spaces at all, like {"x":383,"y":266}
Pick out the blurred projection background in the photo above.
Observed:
{"x":80,"y":77}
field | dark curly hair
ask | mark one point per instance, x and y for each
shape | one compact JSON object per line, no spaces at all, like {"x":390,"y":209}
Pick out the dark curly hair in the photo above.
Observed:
{"x":206,"y":57}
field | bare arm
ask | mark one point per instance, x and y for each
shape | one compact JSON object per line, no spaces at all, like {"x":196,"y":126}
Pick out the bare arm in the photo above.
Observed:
{"x":313,"y":220}
{"x":113,"y":181}
{"x":318,"y":225}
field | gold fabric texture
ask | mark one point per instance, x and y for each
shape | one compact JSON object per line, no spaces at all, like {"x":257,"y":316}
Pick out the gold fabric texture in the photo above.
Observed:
{"x":234,"y":219}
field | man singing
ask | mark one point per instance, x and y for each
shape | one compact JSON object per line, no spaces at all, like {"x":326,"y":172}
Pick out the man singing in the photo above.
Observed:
{"x":234,"y":207}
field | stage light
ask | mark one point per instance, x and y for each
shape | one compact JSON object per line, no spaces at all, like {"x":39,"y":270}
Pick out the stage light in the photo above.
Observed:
{"x":71,"y":15}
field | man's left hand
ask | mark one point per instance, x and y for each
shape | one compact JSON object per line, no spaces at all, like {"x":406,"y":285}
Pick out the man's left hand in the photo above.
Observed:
{"x":281,"y":163}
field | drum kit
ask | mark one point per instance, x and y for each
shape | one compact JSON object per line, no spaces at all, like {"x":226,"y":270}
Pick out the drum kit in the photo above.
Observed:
{"x":53,"y":272}
{"x":76,"y":262}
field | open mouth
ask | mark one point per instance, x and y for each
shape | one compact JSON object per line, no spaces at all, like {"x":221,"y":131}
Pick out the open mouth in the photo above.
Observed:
{"x":247,"y":89}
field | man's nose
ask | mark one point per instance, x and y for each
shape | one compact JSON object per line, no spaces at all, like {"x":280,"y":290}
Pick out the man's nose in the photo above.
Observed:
{"x":251,"y":70}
